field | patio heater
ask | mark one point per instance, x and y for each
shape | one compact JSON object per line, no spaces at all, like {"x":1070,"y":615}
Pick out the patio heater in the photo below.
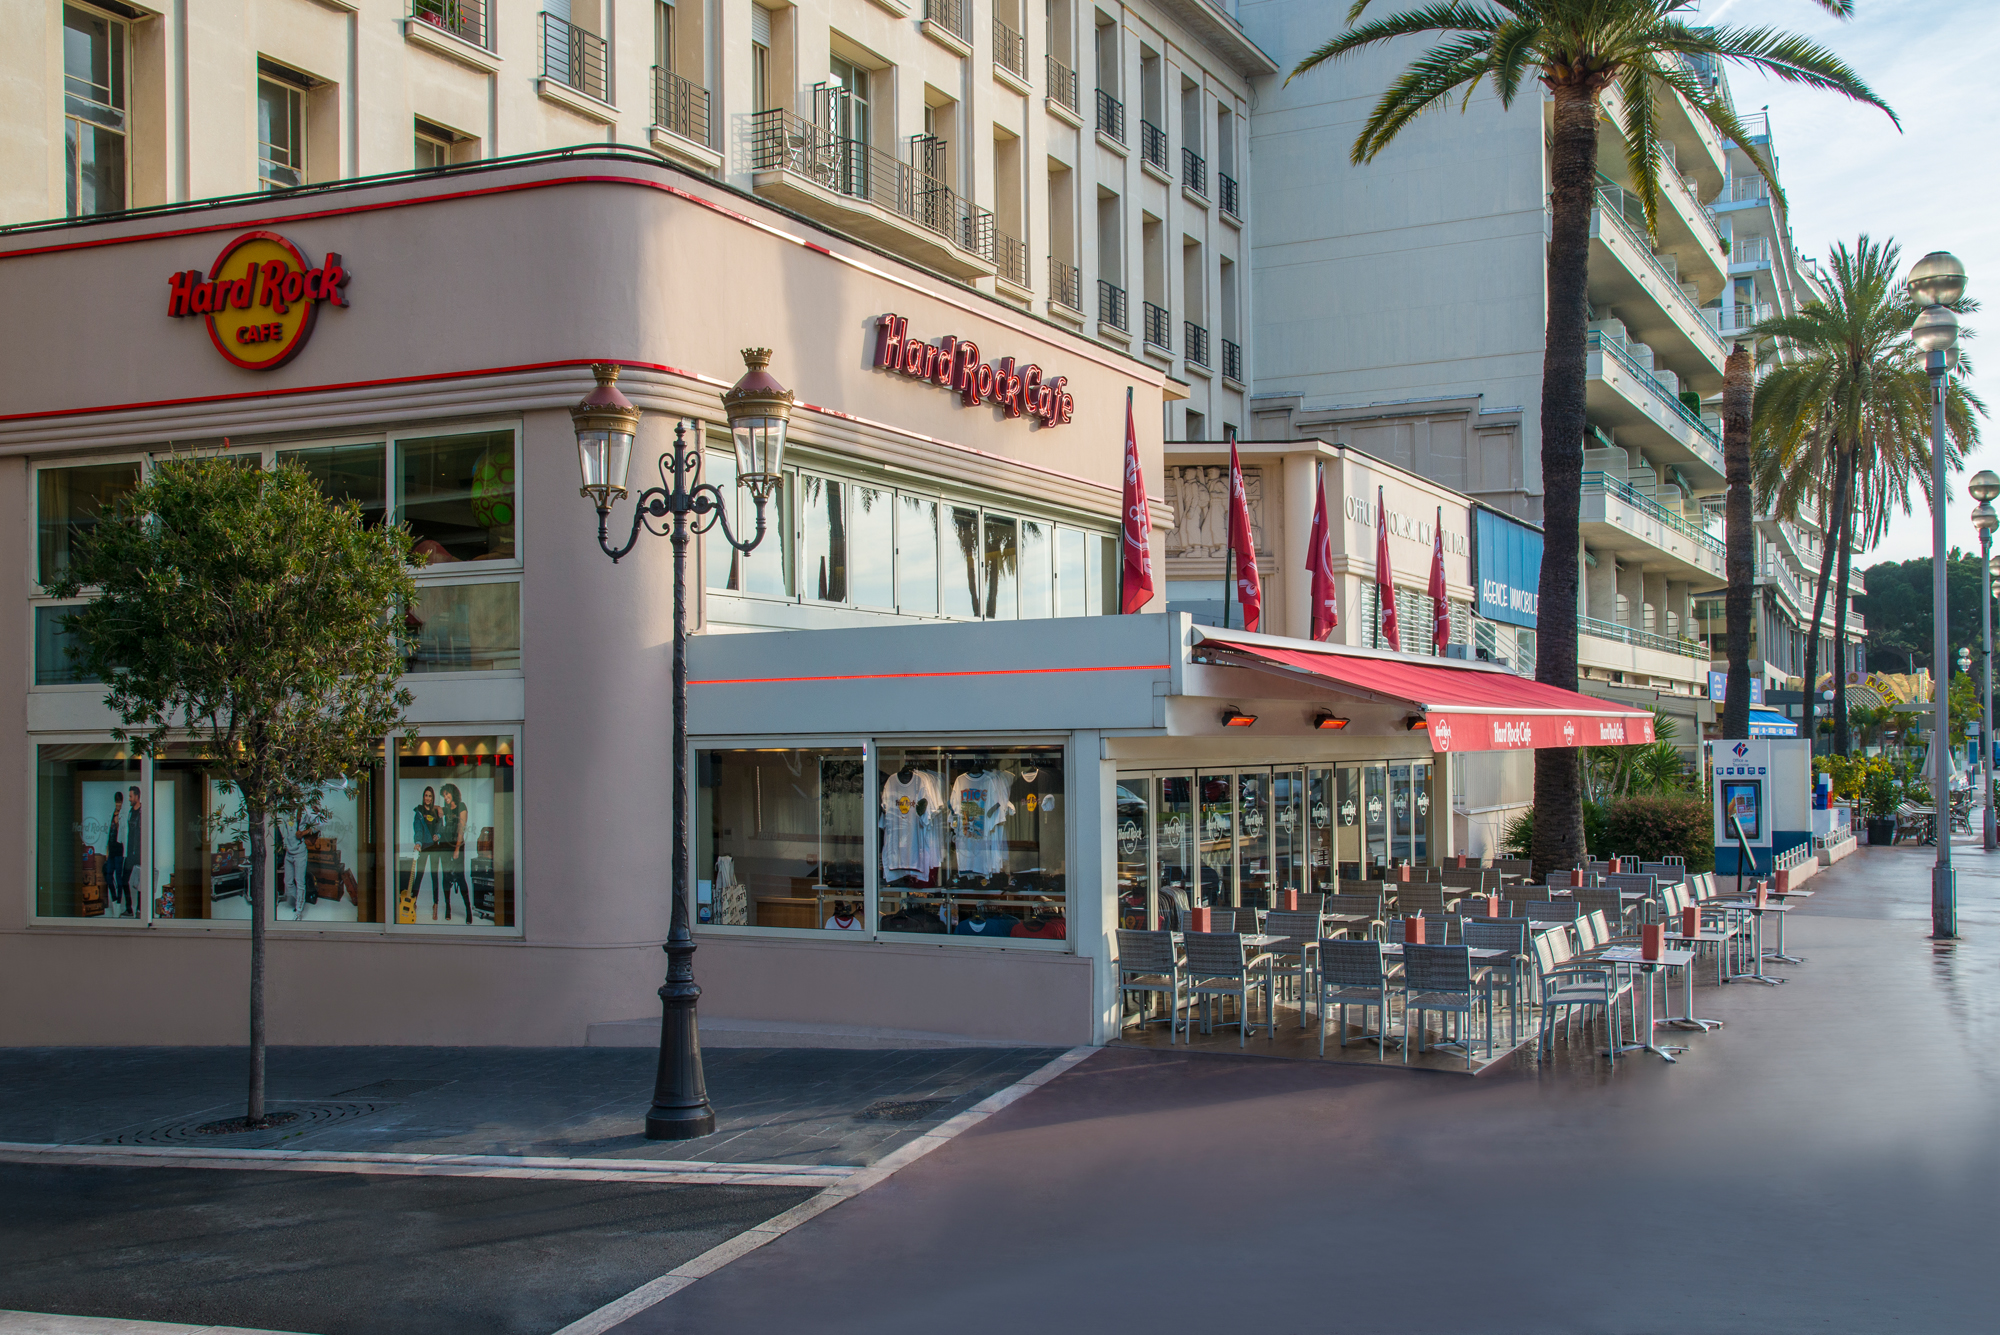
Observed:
{"x":1984,"y":486}
{"x":1937,"y":281}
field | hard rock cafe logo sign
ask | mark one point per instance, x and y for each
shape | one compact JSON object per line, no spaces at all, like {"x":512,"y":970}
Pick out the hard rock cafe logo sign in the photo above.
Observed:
{"x":953,"y":363}
{"x":1569,"y":733}
{"x":260,"y":298}
{"x":1441,"y":733}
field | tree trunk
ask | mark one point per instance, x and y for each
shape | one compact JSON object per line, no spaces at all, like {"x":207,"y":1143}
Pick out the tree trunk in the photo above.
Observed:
{"x":1842,"y":470}
{"x":1840,"y":728}
{"x":258,"y":861}
{"x":1740,"y":539}
{"x":1558,"y":840}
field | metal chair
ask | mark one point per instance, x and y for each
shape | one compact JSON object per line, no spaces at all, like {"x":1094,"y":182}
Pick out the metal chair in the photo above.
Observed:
{"x":1148,"y":963}
{"x":1351,"y":974}
{"x":1510,"y":935}
{"x":1427,"y":899}
{"x":1548,"y":910}
{"x":1608,"y":902}
{"x":1522,"y":867}
{"x":1297,"y":954}
{"x":1439,"y":928}
{"x":1218,"y":966}
{"x":1438,"y":980}
{"x":1568,"y":985}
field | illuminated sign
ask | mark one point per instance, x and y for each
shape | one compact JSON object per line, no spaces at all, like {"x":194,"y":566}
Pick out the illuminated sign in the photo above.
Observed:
{"x":953,"y":363}
{"x":259,"y":298}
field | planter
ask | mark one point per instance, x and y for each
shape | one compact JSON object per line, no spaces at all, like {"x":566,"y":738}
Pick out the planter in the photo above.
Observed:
{"x":1881,"y":830}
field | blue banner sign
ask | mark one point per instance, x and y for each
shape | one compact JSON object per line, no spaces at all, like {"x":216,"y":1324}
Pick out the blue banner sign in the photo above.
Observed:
{"x":1718,"y":687}
{"x":1506,"y":567}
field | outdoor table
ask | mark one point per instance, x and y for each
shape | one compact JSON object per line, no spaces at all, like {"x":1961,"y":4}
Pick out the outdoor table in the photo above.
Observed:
{"x":1757,"y":949}
{"x":1633,"y":957}
{"x":1687,"y":1019}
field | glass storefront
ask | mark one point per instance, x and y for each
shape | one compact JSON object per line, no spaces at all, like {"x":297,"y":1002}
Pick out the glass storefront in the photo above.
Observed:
{"x":780,"y":838}
{"x":83,"y":825}
{"x":453,"y":818}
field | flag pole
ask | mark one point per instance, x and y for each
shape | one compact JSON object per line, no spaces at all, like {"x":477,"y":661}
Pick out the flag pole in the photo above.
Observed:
{"x":1228,"y":580}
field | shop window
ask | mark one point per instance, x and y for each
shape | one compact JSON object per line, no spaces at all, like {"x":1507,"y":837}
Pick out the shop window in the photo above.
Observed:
{"x":325,"y":862}
{"x":871,"y":554}
{"x":348,"y":473}
{"x":1135,"y":864}
{"x":781,"y":839}
{"x":1348,"y":829}
{"x":199,"y":855}
{"x":456,"y":494}
{"x":94,"y":113}
{"x":1037,"y":567}
{"x":454,"y":825}
{"x":916,"y":555}
{"x":466,"y":628}
{"x":68,"y":504}
{"x":83,"y":824}
{"x":973,"y":842}
{"x":823,"y":537}
{"x":55,"y":649}
{"x":767,"y":570}
{"x":1174,"y":829}
{"x":1375,"y":821}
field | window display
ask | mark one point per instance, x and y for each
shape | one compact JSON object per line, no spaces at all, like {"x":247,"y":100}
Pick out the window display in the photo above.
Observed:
{"x":89,"y":840}
{"x":973,"y":841}
{"x":325,"y":865}
{"x":780,"y":835}
{"x":456,"y":493}
{"x":453,"y":818}
{"x":68,"y":503}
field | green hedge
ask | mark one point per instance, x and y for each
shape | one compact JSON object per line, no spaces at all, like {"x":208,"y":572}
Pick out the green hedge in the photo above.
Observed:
{"x":1651,"y":828}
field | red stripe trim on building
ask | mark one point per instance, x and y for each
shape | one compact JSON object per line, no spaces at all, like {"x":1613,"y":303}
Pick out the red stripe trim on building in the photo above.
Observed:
{"x":908,"y":676}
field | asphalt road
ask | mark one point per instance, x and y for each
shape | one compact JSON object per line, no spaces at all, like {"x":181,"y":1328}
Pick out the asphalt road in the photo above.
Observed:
{"x":1827,"y":1162}
{"x":346,"y":1254}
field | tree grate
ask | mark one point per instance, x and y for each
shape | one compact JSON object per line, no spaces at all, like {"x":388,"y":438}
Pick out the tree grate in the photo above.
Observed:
{"x":901,"y":1110}
{"x":294,"y":1119}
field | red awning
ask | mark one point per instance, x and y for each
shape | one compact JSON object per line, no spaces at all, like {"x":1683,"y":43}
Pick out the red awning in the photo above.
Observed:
{"x":1468,"y":708}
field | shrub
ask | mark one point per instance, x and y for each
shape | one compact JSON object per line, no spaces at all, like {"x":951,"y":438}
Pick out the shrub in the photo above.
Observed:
{"x":1880,"y":795}
{"x":1651,"y":828}
{"x":1519,"y":838}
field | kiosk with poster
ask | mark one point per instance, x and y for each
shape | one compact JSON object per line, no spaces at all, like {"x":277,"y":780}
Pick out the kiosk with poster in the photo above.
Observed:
{"x":1766,"y":785}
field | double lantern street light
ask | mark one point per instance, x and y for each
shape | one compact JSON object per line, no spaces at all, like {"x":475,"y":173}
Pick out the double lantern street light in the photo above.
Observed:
{"x":1984,"y":486}
{"x":1938,"y":281}
{"x":759,"y":411}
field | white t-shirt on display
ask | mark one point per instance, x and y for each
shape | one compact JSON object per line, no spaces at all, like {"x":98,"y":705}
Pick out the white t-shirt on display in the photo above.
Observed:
{"x":980,"y":805}
{"x":910,"y":813}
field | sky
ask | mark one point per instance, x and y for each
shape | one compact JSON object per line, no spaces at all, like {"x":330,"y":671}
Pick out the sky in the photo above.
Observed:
{"x":1933,"y":186}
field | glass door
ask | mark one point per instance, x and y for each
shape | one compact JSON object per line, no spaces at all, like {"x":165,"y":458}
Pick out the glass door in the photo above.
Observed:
{"x":1376,"y":852}
{"x":1288,"y":828}
{"x":1218,"y":841}
{"x":1321,"y":804}
{"x":1422,"y":776}
{"x":1402,"y":809}
{"x":1174,"y":831}
{"x":1348,"y":860}
{"x":1254,"y":881}
{"x":1136,"y":907}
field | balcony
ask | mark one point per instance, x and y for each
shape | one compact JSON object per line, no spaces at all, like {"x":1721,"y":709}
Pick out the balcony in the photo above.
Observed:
{"x":1752,"y":252}
{"x":1732,"y":318}
{"x":1226,"y":186}
{"x":1010,"y":259}
{"x":861,"y":190}
{"x":1065,"y":285}
{"x":680,"y":106}
{"x":1232,"y":361}
{"x":1159,"y":327}
{"x":1152,"y":145}
{"x":1623,"y":394}
{"x":1194,"y":172}
{"x":1627,"y":275}
{"x":1010,"y":51}
{"x":1196,"y":338}
{"x":1641,"y":655}
{"x":1616,"y":517}
{"x":575,"y":58}
{"x":949,"y":22}
{"x":1062,"y":84}
{"x":1110,"y":116}
{"x":1111,"y":306}
{"x":467,"y":20}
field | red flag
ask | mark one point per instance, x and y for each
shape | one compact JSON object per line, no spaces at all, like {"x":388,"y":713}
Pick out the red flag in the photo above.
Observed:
{"x":1135,"y":574}
{"x":1319,"y":564}
{"x":1440,"y":606}
{"x":1385,"y":585}
{"x":1249,"y":589}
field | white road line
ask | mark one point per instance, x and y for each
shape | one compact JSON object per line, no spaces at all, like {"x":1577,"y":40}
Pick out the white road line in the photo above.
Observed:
{"x":46,"y":1323}
{"x":712,"y":1260}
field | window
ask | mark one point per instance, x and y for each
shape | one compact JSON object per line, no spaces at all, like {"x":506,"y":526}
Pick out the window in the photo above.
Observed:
{"x":68,"y":503}
{"x":760,"y":58}
{"x":94,"y":113}
{"x":766,"y":570}
{"x":917,"y":555}
{"x":82,"y":828}
{"x":347,"y":473}
{"x":973,"y":842}
{"x":467,"y":627}
{"x":54,"y":664}
{"x":281,"y":128}
{"x":456,"y":493}
{"x":781,"y":839}
{"x":433,"y":146}
{"x":453,"y":819}
{"x":823,"y":534}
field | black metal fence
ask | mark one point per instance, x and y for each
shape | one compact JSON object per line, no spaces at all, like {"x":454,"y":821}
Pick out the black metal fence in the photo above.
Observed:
{"x":1197,"y":342}
{"x":1065,"y":284}
{"x":1194,"y":171}
{"x":1232,"y":360}
{"x":1159,"y":328}
{"x":1226,"y":184}
{"x":1010,"y":49}
{"x":1153,"y":144}
{"x":1111,"y":305}
{"x":680,"y":106}
{"x":466,"y":20}
{"x":1110,"y":116}
{"x":1062,"y":82}
{"x":576,"y":57}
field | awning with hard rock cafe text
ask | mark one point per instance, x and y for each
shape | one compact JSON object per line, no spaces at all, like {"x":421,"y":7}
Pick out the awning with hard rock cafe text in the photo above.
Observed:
{"x":1467,"y":708}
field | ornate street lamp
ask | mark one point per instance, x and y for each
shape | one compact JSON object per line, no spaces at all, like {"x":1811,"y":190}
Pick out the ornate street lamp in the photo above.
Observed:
{"x":759,"y":411}
{"x":1984,"y":486}
{"x":1938,"y":280}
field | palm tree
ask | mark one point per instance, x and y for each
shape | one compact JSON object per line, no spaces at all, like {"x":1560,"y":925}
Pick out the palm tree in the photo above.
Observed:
{"x":1739,"y":387}
{"x":1577,"y":49}
{"x":1843,"y":426}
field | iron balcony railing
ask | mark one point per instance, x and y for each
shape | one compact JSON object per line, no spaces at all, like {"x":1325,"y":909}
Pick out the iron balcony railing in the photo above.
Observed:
{"x":1226,"y":187}
{"x":1197,"y":342}
{"x":1066,"y":284}
{"x":1010,"y":50}
{"x":1613,"y":207}
{"x":680,"y":106}
{"x":783,"y":141}
{"x":1062,"y":82}
{"x":1110,"y":116}
{"x":1152,"y":143}
{"x":1159,"y":328}
{"x":466,"y":20}
{"x":1232,"y":360}
{"x":1750,"y":250}
{"x":1732,"y":316}
{"x":1194,"y":171}
{"x":954,"y":16}
{"x":1010,"y":257}
{"x":1643,"y":639}
{"x":1625,"y":359}
{"x":1652,"y":509}
{"x":1111,"y":305}
{"x":576,"y":57}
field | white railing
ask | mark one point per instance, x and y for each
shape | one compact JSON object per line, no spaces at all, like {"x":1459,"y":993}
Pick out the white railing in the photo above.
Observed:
{"x":1750,"y":250}
{"x":1612,"y":207}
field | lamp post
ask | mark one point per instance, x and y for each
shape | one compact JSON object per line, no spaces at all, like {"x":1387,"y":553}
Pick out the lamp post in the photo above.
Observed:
{"x":759,"y":411}
{"x":1938,"y":281}
{"x":1984,"y":486}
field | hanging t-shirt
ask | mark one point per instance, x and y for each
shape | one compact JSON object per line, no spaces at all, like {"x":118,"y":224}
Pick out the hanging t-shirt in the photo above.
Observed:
{"x":994,"y":925}
{"x":980,"y":805}
{"x":910,"y":815}
{"x":839,"y":924}
{"x":1038,"y":811}
{"x":1047,"y":929}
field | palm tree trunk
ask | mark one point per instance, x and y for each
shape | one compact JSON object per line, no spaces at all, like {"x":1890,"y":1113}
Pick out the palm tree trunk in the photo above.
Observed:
{"x":1842,"y":469}
{"x":1573,"y":152}
{"x":1840,"y":729}
{"x":1739,"y":536}
{"x":255,"y":1113}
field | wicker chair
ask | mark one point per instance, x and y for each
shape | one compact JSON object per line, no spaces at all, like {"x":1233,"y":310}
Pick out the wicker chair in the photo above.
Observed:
{"x":1522,"y":867}
{"x":1471,"y":879}
{"x":1425,"y":899}
{"x":1232,"y":920}
{"x":1439,"y":929}
{"x":1568,"y":985}
{"x":1508,"y":934}
{"x":1438,"y":980}
{"x":1218,"y":966}
{"x":1351,"y":974}
{"x":1148,"y":964}
{"x":1608,"y":902}
{"x":1670,"y":873}
{"x":1298,"y":954}
{"x":1525,"y":890}
{"x":1368,"y":906}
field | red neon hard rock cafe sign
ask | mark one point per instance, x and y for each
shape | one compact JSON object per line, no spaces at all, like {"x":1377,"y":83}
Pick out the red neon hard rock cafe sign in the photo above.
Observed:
{"x":259,"y":299}
{"x":953,"y":363}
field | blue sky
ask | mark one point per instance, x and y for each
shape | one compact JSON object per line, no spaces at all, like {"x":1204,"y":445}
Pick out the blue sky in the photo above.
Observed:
{"x":1934,"y":186}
